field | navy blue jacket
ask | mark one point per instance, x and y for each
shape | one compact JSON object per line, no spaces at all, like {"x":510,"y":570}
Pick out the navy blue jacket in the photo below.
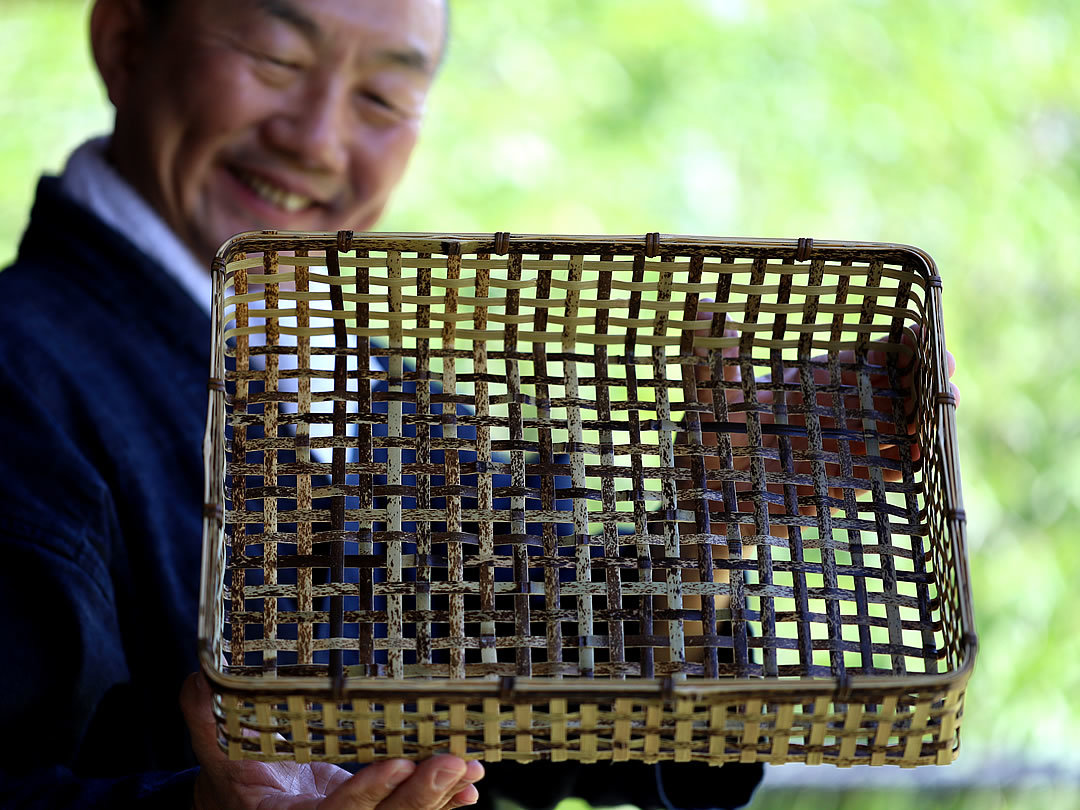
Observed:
{"x":103,"y":368}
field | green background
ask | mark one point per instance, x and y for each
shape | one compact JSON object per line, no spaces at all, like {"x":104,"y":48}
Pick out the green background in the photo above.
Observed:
{"x":954,"y":126}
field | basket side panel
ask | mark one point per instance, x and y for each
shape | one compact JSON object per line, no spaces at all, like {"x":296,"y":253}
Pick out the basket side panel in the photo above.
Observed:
{"x":906,"y":730}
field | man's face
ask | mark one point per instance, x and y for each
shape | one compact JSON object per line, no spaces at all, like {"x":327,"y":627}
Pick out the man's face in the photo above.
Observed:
{"x":283,"y":114}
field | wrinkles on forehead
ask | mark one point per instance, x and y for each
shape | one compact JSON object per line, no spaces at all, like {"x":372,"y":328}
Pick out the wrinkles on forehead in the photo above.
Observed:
{"x":295,"y":16}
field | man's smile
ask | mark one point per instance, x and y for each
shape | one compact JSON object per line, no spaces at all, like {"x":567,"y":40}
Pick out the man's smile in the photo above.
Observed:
{"x":274,"y":192}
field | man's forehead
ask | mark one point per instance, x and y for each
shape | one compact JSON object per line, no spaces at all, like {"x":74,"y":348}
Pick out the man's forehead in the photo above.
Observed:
{"x":415,"y":28}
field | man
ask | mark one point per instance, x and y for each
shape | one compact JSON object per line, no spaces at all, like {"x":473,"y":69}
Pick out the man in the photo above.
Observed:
{"x":230,"y":116}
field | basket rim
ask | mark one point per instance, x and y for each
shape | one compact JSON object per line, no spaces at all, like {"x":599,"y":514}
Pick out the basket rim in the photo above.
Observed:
{"x":542,"y":688}
{"x":655,"y":243}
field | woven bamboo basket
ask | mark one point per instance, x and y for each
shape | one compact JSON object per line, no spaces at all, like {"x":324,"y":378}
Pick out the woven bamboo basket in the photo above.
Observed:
{"x":587,"y":498}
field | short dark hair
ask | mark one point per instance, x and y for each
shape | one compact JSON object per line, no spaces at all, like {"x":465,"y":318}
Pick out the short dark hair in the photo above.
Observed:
{"x":157,"y":11}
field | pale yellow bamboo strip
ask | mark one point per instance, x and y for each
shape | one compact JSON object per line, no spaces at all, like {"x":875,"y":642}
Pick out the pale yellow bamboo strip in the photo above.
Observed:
{"x":393,"y":728}
{"x":331,"y":730}
{"x":751,"y":731}
{"x":949,"y":721}
{"x":718,"y":716}
{"x":364,"y":719}
{"x":819,"y":724}
{"x":850,"y":736}
{"x":425,"y":727}
{"x":887,"y":716}
{"x":623,"y":723}
{"x":653,"y":714}
{"x":913,"y":740}
{"x":557,"y":711}
{"x":301,"y":740}
{"x":684,"y":729}
{"x":264,"y":721}
{"x":233,"y":728}
{"x":781,"y":735}
{"x":589,"y":715}
{"x":523,"y":721}
{"x":458,"y":738}
{"x":492,"y":730}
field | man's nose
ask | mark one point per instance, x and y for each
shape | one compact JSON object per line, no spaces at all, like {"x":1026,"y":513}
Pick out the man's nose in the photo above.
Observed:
{"x":313,"y":128}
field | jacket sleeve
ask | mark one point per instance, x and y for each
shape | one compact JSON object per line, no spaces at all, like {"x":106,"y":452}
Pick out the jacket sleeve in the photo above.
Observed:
{"x":63,"y":651}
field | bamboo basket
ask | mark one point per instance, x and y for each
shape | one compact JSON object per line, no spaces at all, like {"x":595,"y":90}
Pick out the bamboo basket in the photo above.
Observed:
{"x":589,"y":498}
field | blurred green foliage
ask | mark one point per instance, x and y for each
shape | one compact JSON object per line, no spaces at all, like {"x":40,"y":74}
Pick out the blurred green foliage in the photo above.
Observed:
{"x":1037,"y":799}
{"x":954,"y":126}
{"x":1031,"y":799}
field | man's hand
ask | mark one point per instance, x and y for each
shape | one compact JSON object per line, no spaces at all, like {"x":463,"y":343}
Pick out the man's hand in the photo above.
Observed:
{"x":821,"y":377}
{"x":440,"y":783}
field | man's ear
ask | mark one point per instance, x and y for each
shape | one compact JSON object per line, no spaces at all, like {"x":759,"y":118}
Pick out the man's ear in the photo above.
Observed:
{"x":119,"y":38}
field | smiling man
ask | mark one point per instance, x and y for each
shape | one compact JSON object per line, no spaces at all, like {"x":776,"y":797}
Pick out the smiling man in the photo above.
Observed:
{"x":230,"y":116}
{"x":267,"y":113}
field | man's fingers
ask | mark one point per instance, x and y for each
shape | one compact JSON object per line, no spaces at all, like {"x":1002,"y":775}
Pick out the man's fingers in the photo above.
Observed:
{"x":703,"y":316}
{"x":437,"y":782}
{"x":463,"y":798}
{"x":465,"y":795}
{"x":402,"y":785}
{"x":368,"y":788}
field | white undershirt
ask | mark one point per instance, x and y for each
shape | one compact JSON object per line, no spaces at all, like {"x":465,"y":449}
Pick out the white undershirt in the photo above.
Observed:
{"x":89,"y":180}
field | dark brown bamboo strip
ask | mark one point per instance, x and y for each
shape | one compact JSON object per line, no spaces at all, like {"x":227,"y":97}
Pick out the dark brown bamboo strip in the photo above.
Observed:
{"x":669,"y":501}
{"x":697,"y":463}
{"x":647,"y":606}
{"x":488,"y":653}
{"x":877,"y":483}
{"x":582,"y":540}
{"x":726,"y":452}
{"x":239,"y":453}
{"x":616,"y":628}
{"x":395,"y":489}
{"x":337,"y":502}
{"x":759,"y":487}
{"x":552,"y":589}
{"x":553,"y":637}
{"x":812,"y":425}
{"x":365,"y":453}
{"x":900,"y":419}
{"x":851,"y":506}
{"x":454,"y":552}
{"x":423,"y":459}
{"x":304,"y":529}
{"x":270,"y":463}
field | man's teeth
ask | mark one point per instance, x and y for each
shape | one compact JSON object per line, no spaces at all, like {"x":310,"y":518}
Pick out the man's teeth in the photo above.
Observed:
{"x":275,"y":195}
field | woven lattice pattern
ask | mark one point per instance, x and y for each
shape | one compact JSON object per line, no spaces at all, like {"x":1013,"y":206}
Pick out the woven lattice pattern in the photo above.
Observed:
{"x":569,"y":458}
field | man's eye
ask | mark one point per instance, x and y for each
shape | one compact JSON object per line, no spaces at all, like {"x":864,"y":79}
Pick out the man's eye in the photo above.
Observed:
{"x":379,"y":109}
{"x":378,"y":100}
{"x":281,"y":63}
